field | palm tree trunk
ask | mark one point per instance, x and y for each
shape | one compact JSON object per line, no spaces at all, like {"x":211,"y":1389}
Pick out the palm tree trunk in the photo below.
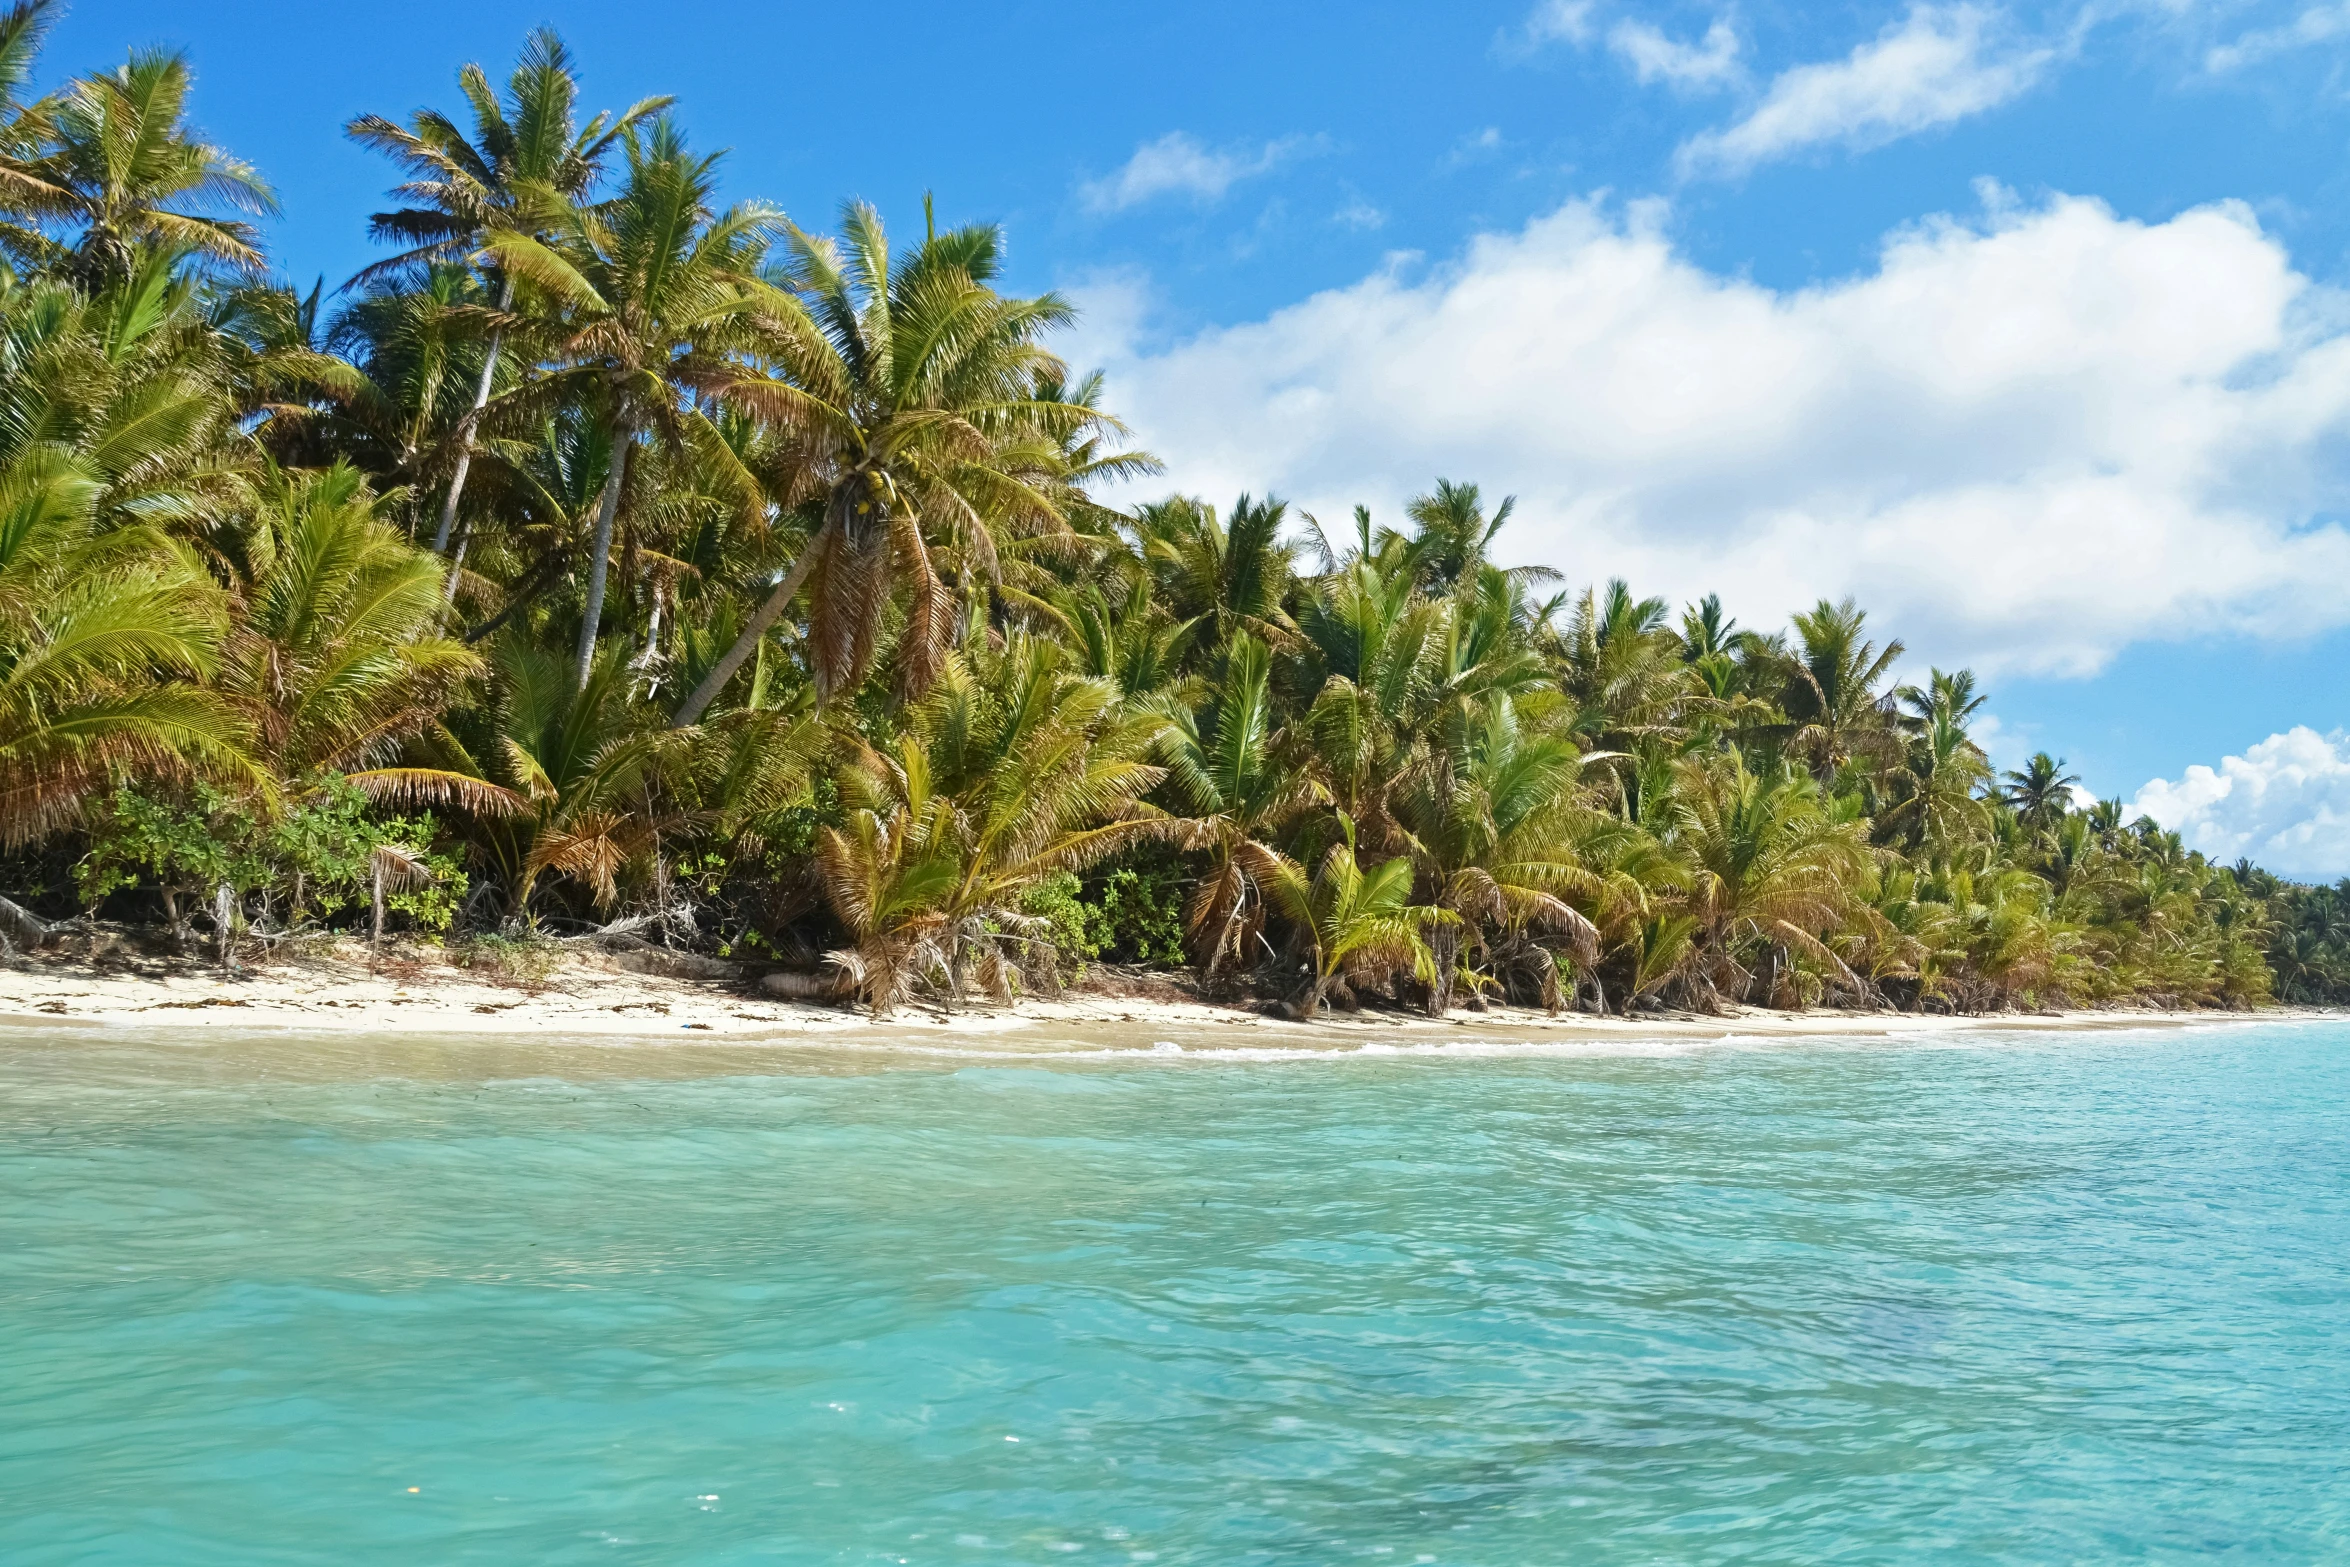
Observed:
{"x":600,"y":552}
{"x":1311,"y":1006}
{"x":481,"y":400}
{"x":768,"y":613}
{"x":1444,"y":947}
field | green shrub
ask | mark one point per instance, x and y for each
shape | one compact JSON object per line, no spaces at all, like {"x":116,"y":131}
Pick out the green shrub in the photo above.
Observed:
{"x":1137,"y":917}
{"x":314,"y":857}
{"x":1056,"y":900}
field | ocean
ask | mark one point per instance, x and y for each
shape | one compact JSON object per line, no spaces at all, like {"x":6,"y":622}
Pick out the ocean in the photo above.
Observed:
{"x":2052,"y":1297}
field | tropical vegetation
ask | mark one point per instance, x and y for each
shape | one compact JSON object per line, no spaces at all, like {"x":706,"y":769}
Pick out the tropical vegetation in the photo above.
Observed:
{"x":605,"y":553}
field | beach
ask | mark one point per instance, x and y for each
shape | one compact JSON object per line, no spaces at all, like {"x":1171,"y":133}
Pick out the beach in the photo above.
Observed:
{"x":419,"y":990}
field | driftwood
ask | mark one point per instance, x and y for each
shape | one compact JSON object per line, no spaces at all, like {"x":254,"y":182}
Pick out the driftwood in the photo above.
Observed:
{"x":833,"y":982}
{"x":21,"y":930}
{"x":639,"y":956}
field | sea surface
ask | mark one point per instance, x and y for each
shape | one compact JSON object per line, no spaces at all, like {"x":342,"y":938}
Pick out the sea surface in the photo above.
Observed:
{"x":2073,"y":1297}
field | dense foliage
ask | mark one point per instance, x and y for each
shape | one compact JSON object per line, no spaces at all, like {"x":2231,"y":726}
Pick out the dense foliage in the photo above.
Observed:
{"x":604,"y":552}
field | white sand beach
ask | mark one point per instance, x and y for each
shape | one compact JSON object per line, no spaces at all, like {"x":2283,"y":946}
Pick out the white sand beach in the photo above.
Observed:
{"x":420,"y":991}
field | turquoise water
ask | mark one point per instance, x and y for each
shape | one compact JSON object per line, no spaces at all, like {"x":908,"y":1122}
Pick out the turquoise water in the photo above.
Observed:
{"x":2036,"y":1299}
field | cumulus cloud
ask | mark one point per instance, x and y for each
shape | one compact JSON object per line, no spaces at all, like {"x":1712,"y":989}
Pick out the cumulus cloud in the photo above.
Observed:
{"x":2284,"y":804}
{"x":1177,"y":164}
{"x":1654,"y":57}
{"x":1940,"y":64}
{"x":2319,"y":24}
{"x":2024,"y":440}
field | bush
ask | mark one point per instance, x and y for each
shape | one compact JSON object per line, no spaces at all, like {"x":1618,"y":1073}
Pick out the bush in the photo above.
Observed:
{"x":1056,"y":901}
{"x":315,"y":856}
{"x":1137,"y":917}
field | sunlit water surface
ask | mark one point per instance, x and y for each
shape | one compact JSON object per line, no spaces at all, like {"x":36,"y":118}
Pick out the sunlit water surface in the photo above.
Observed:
{"x":2049,"y":1298}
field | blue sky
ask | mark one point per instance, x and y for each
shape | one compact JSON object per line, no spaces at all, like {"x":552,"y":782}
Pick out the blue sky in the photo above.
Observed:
{"x":2025,"y":324}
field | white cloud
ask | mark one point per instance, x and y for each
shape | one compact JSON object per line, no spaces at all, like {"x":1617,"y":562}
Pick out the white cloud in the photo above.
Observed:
{"x":1477,"y":146}
{"x":1359,"y":214}
{"x":2024,"y":441}
{"x":1560,"y":21}
{"x":1176,"y":164}
{"x":1941,"y":64}
{"x":2319,"y":24}
{"x":2284,"y":804}
{"x":1711,"y":62}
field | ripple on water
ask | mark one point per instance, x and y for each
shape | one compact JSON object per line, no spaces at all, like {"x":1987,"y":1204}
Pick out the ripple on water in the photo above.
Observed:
{"x":1465,"y":1301}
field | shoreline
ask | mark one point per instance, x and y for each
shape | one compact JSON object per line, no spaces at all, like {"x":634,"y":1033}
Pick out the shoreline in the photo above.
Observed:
{"x":594,"y":999}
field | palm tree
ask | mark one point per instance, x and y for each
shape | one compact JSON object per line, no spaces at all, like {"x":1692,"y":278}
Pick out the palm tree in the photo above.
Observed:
{"x":333,"y":659}
{"x":1005,"y":773}
{"x":1225,"y":775}
{"x":491,"y":199}
{"x":670,"y":301}
{"x":1453,"y":536}
{"x":1233,"y":576}
{"x":126,"y":173}
{"x":136,"y":380}
{"x":1706,"y":632}
{"x":1946,"y":696}
{"x":24,"y":193}
{"x":1622,"y":668}
{"x":1487,"y":829}
{"x":1833,"y":698}
{"x":1773,"y":865}
{"x":2041,"y":792}
{"x":1349,"y":917}
{"x":1944,"y":776}
{"x":1136,"y":643}
{"x":102,"y":640}
{"x":581,"y":762}
{"x":912,"y":389}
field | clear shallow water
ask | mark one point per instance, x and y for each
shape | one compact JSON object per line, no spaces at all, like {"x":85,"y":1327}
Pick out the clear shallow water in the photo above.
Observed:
{"x":2060,"y":1298}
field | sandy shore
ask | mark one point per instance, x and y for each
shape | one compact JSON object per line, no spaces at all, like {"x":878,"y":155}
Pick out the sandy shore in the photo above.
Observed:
{"x":415,"y":992}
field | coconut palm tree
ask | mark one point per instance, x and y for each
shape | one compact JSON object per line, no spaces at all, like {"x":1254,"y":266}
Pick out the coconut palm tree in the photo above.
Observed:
{"x":1231,"y":575}
{"x":1353,"y":918}
{"x":491,"y":199}
{"x":669,"y":303}
{"x":103,"y":638}
{"x":1453,"y":538}
{"x":333,"y":660}
{"x":134,"y":381}
{"x":913,"y":391}
{"x":580,"y":762}
{"x":1773,"y":864}
{"x":1013,"y":767}
{"x":1224,"y":773}
{"x":1486,"y":826}
{"x":123,"y":172}
{"x":2040,"y":792}
{"x":1832,"y":694}
{"x":1135,"y":642}
{"x":25,"y":194}
{"x":1622,"y":668}
{"x":1944,"y":774}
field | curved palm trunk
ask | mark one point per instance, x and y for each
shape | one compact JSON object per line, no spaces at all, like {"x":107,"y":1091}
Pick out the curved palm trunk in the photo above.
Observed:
{"x":1309,"y":1006}
{"x":600,"y":551}
{"x":481,"y":400}
{"x":768,"y":613}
